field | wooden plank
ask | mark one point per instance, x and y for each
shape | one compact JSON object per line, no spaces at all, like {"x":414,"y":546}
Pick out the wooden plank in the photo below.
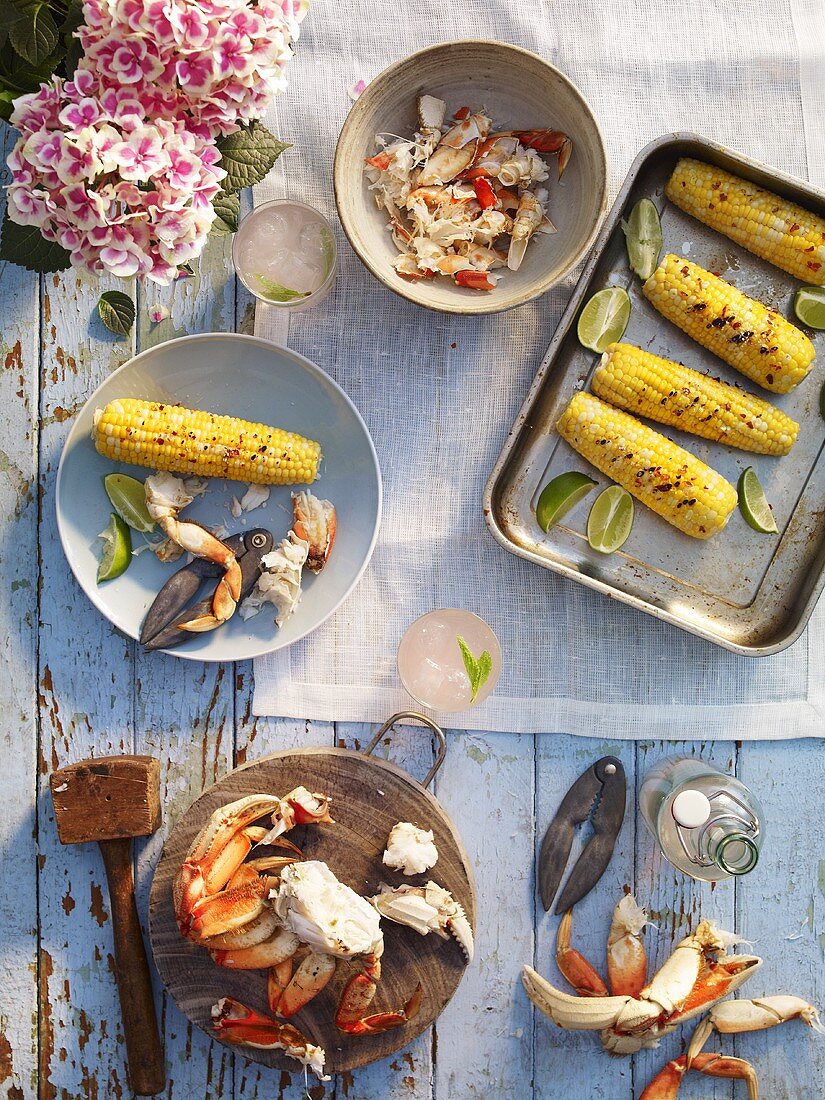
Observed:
{"x":560,"y":760}
{"x":184,"y":713}
{"x":676,"y":903}
{"x":781,"y":907}
{"x":85,"y":678}
{"x":484,"y":1039}
{"x":19,"y":362}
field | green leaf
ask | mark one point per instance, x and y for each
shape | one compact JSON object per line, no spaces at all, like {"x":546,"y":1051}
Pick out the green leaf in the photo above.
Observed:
{"x":34,"y":34}
{"x":478,"y":669}
{"x":23,"y":245}
{"x":228,"y":210}
{"x":73,"y":20}
{"x":277,"y":293}
{"x":247,"y":156}
{"x":6,"y":101}
{"x":117,"y":312}
{"x":19,"y":77}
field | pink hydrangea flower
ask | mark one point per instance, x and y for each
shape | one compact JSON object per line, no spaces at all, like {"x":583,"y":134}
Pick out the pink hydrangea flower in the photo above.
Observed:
{"x":219,"y":62}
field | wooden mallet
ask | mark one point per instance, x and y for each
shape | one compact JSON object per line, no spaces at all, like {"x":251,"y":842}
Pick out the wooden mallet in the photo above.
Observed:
{"x":111,"y":800}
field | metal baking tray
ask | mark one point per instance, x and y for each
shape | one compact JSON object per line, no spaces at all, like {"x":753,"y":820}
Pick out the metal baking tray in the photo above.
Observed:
{"x":748,"y":592}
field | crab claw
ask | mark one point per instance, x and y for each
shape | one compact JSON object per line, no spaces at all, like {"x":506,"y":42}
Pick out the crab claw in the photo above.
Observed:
{"x":427,"y":908}
{"x":299,"y":807}
{"x":733,"y":1017}
{"x":357,"y":997}
{"x":235,"y":1023}
{"x":315,"y":522}
{"x":665,"y":1084}
{"x":216,"y":853}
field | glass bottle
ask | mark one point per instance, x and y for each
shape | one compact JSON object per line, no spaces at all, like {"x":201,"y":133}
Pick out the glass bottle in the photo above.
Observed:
{"x":707,"y":823}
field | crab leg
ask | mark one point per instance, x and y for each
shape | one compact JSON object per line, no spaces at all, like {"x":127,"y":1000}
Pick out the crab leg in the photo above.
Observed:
{"x":228,"y":911}
{"x":357,"y":997}
{"x":734,"y":1017}
{"x":584,"y":1013}
{"x":548,"y":141}
{"x":235,"y":1023}
{"x":277,"y":980}
{"x":677,"y":977}
{"x":626,"y":958}
{"x":526,"y":221}
{"x":166,"y":496}
{"x":309,"y":979}
{"x":584,"y":978}
{"x":260,"y":956}
{"x":256,"y":931}
{"x":665,"y":1084}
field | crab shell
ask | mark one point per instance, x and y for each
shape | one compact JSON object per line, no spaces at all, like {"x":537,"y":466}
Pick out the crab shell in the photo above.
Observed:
{"x":326,"y":914}
{"x":428,"y":908}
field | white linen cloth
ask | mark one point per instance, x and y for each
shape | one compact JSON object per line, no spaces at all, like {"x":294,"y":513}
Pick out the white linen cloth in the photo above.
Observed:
{"x":439,"y":393}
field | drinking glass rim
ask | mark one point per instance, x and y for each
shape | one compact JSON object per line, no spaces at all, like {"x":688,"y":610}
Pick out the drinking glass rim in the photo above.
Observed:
{"x":313,"y":295}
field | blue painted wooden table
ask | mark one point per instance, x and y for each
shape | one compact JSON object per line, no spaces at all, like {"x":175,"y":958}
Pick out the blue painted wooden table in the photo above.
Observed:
{"x":73,"y":687}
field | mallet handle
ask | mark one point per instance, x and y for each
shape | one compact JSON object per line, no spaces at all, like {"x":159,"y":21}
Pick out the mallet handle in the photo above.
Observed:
{"x":144,"y":1054}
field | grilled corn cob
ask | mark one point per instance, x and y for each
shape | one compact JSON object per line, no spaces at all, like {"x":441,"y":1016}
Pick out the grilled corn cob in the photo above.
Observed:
{"x":644,"y":384}
{"x":188,"y":441}
{"x":755,"y":340}
{"x":779,"y":231}
{"x":669,"y":480}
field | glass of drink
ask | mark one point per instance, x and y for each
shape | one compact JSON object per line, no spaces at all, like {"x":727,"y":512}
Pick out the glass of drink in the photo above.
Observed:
{"x":284,"y":254}
{"x":449,"y":659}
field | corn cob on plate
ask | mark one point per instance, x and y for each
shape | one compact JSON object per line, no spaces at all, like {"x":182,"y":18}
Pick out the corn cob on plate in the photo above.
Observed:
{"x":670,"y":393}
{"x":263,"y":385}
{"x":741,"y":589}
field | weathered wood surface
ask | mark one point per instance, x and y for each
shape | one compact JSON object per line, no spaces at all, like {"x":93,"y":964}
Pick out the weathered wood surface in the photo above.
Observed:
{"x":73,"y":687}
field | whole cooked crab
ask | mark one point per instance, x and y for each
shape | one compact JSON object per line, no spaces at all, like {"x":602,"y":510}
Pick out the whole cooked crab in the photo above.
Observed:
{"x":295,"y":919}
{"x":634,"y":1013}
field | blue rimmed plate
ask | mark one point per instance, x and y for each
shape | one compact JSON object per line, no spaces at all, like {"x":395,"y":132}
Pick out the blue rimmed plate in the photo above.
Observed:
{"x":241,"y":376}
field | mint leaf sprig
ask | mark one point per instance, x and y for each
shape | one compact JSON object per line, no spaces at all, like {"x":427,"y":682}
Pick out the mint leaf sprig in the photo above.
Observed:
{"x":478,"y":668}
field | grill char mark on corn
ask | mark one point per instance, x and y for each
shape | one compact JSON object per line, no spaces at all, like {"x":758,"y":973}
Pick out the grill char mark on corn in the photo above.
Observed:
{"x":670,"y":393}
{"x":753,"y":339}
{"x":194,"y":442}
{"x":668,"y":479}
{"x":781,"y":232}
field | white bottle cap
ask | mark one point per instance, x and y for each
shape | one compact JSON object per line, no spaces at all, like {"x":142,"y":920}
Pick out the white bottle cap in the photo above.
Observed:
{"x":691,"y":809}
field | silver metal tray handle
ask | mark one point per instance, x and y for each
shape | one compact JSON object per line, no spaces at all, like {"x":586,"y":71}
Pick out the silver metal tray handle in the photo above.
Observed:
{"x":413,"y":715}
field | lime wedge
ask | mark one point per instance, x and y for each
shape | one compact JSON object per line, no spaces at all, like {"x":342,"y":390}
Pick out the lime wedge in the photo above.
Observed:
{"x":117,"y":550}
{"x":754,"y":505}
{"x":643,"y":237}
{"x":610,"y":520}
{"x":604,"y":318}
{"x":560,"y":495}
{"x":809,"y":306}
{"x":128,"y":499}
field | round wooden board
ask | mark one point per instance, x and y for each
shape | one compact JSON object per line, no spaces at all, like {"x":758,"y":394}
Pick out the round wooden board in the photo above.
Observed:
{"x":369,"y":797}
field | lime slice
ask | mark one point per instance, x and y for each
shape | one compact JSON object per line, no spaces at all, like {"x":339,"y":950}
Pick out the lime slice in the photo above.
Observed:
{"x":117,"y":550}
{"x":128,"y":499}
{"x":643,"y":237}
{"x":560,"y":495}
{"x":610,"y":520}
{"x":754,"y":505}
{"x":809,"y":306}
{"x":604,"y":318}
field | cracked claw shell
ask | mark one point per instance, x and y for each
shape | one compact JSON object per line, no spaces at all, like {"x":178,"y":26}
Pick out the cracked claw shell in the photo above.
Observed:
{"x":326,"y":914}
{"x":428,"y":908}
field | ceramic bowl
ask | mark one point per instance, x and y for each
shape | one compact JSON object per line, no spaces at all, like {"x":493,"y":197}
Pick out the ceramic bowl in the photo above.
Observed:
{"x":241,"y":376}
{"x":520,"y":91}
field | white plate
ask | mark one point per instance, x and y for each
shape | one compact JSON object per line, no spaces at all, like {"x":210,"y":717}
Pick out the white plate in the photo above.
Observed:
{"x":251,"y":378}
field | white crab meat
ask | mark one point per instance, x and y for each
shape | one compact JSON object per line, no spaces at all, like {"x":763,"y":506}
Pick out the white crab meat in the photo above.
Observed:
{"x":409,"y":849}
{"x":431,"y":112}
{"x":254,"y":497}
{"x":428,"y":908}
{"x":164,"y":493}
{"x":280,"y":584}
{"x":326,"y":914}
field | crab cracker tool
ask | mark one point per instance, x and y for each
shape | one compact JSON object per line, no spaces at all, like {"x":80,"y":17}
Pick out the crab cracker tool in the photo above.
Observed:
{"x":172,"y":608}
{"x":598,"y":795}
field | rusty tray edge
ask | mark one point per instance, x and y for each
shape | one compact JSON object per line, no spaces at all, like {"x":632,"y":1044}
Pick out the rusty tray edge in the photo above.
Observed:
{"x":606,"y":231}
